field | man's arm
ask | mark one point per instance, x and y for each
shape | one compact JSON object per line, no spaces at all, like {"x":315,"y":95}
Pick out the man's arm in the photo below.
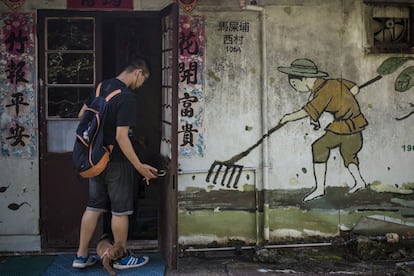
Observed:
{"x":125,"y":144}
{"x":301,"y":113}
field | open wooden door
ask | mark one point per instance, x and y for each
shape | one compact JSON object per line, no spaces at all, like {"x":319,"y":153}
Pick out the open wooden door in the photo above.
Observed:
{"x":169,"y":145}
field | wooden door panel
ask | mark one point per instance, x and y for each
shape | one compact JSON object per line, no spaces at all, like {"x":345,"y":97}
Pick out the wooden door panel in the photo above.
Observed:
{"x":64,"y":196}
{"x":63,"y":193}
{"x":168,"y":149}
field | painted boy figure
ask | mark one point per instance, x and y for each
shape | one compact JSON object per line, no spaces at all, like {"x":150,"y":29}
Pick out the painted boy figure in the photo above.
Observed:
{"x":337,"y":97}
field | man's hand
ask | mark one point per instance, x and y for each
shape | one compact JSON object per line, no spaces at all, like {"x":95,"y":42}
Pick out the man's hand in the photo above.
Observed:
{"x":147,"y":172}
{"x":124,"y":143}
{"x":354,"y":90}
{"x":301,"y":113}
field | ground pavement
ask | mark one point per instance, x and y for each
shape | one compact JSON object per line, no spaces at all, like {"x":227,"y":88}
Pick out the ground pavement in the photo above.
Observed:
{"x":297,"y":261}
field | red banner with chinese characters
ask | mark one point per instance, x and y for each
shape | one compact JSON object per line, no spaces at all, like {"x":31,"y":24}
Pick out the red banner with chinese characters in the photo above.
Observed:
{"x":18,"y":120}
{"x":101,"y":4}
{"x":191,"y":50}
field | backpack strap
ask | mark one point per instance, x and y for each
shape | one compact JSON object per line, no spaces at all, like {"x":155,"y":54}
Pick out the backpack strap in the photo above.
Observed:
{"x":98,"y":90}
{"x":112,"y":94}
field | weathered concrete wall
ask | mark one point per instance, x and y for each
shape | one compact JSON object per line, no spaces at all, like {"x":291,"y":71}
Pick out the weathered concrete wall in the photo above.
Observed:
{"x":232,"y":102}
{"x":243,"y":96}
{"x":19,"y":166}
{"x":20,"y":204}
{"x":332,"y":35}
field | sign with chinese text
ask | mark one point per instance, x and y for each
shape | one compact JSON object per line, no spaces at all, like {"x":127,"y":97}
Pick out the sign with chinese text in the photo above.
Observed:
{"x":233,"y":34}
{"x":191,"y":45}
{"x":17,"y":92}
{"x":100,"y":4}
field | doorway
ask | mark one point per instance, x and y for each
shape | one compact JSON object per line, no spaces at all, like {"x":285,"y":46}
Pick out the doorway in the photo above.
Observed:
{"x":122,"y":38}
{"x":77,"y":50}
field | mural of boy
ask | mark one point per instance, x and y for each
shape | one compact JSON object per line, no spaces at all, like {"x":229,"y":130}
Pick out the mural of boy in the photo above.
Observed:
{"x":337,"y":97}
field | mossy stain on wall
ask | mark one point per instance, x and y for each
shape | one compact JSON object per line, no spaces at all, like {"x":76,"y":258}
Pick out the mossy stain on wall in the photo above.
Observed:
{"x":219,"y":223}
{"x":288,"y":10}
{"x":213,"y":76}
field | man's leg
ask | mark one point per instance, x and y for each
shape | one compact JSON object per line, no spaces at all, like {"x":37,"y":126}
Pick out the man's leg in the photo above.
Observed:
{"x":122,"y":203}
{"x":321,"y":149}
{"x":119,"y":225}
{"x":359,"y":181}
{"x":349,"y":152}
{"x":87,"y":229}
{"x":121,"y":195}
{"x":319,"y":169}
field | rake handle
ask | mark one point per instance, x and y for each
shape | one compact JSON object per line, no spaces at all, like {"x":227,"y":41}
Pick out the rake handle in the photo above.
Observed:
{"x":370,"y":81}
{"x":239,"y":156}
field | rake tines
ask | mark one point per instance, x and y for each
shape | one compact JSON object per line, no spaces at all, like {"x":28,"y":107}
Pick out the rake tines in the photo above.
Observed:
{"x":231,"y":166}
{"x":226,"y":180}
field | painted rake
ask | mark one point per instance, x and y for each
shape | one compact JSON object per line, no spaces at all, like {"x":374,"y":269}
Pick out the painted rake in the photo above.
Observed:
{"x":231,"y":169}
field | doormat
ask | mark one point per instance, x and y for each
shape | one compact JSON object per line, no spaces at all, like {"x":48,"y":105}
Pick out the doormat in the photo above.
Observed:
{"x":62,"y":265}
{"x":25,"y":265}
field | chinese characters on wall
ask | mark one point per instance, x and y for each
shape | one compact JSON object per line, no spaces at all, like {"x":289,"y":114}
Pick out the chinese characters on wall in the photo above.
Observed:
{"x":191,"y":45}
{"x":17,"y":97}
{"x":233,"y":34}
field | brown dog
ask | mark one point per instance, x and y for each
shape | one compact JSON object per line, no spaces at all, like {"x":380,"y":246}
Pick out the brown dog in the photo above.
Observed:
{"x":109,"y":252}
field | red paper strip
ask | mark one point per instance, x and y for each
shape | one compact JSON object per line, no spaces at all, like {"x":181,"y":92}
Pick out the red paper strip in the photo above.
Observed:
{"x":101,"y":4}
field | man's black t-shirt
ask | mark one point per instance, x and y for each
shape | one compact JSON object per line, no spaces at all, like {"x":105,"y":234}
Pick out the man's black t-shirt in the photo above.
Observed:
{"x":121,"y":112}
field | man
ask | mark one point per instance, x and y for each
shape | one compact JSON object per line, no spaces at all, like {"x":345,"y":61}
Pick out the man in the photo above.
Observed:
{"x":114,"y":187}
{"x":336,"y":97}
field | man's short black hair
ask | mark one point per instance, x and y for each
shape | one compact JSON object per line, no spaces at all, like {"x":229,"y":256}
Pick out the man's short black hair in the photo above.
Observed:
{"x":138,"y":62}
